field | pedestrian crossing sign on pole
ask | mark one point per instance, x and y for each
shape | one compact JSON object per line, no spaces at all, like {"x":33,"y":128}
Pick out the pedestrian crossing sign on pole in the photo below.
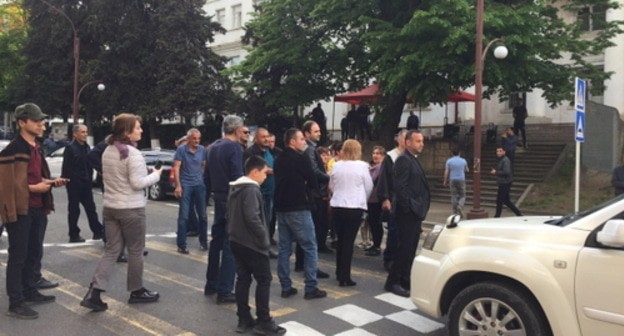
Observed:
{"x":579,"y":128}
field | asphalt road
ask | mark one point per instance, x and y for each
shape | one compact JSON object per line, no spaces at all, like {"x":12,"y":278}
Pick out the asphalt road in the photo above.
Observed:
{"x":362,"y":310}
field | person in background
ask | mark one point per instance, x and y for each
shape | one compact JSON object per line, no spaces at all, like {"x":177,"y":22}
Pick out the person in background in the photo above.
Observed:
{"x":192,"y":224}
{"x":509,"y":141}
{"x":351,"y":186}
{"x":374,"y":204}
{"x":617,"y":180}
{"x":520,"y":114}
{"x":413,"y":122}
{"x":273,"y":220}
{"x":455,"y":171}
{"x":335,"y":157}
{"x":249,"y":239}
{"x":125,"y":180}
{"x":80,"y":186}
{"x":504,"y":179}
{"x":25,"y":202}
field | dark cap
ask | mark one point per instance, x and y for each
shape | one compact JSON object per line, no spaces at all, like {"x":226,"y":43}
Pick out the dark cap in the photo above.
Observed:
{"x":29,"y":111}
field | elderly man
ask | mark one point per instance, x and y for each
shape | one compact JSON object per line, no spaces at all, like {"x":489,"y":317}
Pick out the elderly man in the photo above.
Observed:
{"x":225,"y":164}
{"x":76,"y":168}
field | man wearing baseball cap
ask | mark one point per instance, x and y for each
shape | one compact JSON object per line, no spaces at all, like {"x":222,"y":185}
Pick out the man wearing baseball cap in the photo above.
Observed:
{"x":25,"y":202}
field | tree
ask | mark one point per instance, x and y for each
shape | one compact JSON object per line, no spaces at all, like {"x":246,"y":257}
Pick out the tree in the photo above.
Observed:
{"x":13,"y":34}
{"x":152,"y":56}
{"x":422,"y":49}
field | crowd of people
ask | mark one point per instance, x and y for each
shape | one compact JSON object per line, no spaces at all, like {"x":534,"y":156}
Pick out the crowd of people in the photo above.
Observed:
{"x":304,"y":192}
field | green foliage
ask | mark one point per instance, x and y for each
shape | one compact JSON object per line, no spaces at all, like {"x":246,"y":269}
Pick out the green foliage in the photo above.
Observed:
{"x":13,"y":33}
{"x":306,"y":51}
{"x":152,"y":56}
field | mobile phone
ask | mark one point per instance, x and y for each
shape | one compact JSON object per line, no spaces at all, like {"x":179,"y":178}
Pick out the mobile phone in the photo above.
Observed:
{"x":158,"y":165}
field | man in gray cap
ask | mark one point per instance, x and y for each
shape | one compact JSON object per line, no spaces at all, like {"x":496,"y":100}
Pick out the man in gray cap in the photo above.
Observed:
{"x":25,"y":202}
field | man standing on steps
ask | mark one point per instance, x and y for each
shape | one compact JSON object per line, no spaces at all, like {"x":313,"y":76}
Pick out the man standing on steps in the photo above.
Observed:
{"x":504,"y":178}
{"x":455,"y":171}
{"x":520,"y":114}
{"x":410,"y":206}
{"x":76,"y":168}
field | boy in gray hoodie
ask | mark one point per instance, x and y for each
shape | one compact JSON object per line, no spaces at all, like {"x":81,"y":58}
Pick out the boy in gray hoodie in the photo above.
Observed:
{"x":250,"y":244}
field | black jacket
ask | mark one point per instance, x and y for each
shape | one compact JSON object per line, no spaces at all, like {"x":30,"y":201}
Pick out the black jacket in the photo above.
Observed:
{"x":411,"y":187}
{"x":319,"y":170}
{"x":76,"y":165}
{"x":294,"y":182}
{"x":385,"y":185}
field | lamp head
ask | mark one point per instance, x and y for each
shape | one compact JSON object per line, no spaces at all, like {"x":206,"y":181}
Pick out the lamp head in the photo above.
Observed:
{"x":501,"y":52}
{"x":101,"y":87}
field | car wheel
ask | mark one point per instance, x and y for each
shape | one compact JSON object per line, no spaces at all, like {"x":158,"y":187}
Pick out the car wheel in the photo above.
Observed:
{"x":155,"y":192}
{"x":492,"y":308}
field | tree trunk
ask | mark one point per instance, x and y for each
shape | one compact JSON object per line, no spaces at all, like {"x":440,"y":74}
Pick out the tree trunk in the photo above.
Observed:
{"x":389,"y":118}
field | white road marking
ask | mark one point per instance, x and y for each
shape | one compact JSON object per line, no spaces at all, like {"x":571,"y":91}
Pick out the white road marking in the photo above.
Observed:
{"x":356,"y":332}
{"x":297,"y":329}
{"x":415,"y":321}
{"x":396,"y":300}
{"x":354,"y":314}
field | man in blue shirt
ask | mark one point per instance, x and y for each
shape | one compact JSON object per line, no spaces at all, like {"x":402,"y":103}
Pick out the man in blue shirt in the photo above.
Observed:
{"x":188,"y":164}
{"x":455,"y":169}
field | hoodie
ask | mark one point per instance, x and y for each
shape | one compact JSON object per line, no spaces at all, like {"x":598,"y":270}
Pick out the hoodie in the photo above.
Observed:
{"x":245,"y":215}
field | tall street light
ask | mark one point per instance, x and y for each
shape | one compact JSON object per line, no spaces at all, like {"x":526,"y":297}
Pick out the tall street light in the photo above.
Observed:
{"x":75,"y":105}
{"x":480,"y":53}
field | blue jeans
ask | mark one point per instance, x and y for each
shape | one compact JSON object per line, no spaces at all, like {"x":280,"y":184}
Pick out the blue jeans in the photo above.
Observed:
{"x":221,"y":268}
{"x":297,"y":226}
{"x":195,"y":197}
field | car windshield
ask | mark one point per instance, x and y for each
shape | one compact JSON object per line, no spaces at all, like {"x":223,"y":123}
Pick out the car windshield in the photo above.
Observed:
{"x":571,"y":218}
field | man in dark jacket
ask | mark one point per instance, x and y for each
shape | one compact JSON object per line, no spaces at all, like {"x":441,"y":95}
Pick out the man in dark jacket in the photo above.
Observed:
{"x":25,"y":202}
{"x":294,"y":182}
{"x":410,"y":206}
{"x":504,"y":178}
{"x":76,"y":168}
{"x":249,"y":239}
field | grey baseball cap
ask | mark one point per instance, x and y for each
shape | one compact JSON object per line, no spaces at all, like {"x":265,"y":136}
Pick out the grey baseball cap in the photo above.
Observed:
{"x":29,"y":111}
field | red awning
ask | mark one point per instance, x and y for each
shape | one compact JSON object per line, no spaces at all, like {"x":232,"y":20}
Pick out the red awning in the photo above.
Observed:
{"x":370,"y":94}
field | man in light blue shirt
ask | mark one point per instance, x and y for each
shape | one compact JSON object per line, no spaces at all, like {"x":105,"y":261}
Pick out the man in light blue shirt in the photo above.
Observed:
{"x":188,"y":164}
{"x":455,"y":170}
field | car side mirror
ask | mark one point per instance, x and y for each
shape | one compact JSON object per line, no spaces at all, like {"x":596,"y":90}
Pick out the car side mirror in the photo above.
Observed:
{"x":612,"y":234}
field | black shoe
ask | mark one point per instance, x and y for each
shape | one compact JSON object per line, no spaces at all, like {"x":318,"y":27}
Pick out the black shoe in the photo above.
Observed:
{"x":43,"y":283}
{"x":209,"y":291}
{"x":347,"y":283}
{"x":268,"y":328}
{"x":183,"y":250}
{"x":93,"y":302}
{"x":226,"y":299}
{"x":288,"y":293}
{"x":38,"y":298}
{"x":373,"y":252}
{"x":22,"y":311}
{"x":272,"y":255}
{"x":315,"y":294}
{"x":245,"y":325}
{"x":203,"y":246}
{"x":145,"y":252}
{"x":397,"y":290}
{"x":321,"y":275}
{"x":122,"y":258}
{"x":192,"y":233}
{"x":143,"y":296}
{"x":76,"y":239}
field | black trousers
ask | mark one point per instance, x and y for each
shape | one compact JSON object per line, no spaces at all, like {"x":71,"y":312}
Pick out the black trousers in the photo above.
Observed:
{"x":519,"y":127}
{"x":81,"y":193}
{"x":502,"y":197}
{"x":25,"y":253}
{"x":348,"y":222}
{"x":408,"y":233}
{"x":374,"y":221}
{"x":252,"y":263}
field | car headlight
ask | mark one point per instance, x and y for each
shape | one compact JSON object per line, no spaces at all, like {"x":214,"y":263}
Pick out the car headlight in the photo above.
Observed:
{"x":432,"y":237}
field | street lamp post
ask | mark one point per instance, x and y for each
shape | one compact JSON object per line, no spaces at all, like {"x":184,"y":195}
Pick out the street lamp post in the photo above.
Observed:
{"x":75,"y":105}
{"x":480,"y":53}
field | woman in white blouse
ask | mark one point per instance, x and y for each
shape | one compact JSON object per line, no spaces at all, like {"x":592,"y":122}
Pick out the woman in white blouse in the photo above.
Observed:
{"x":351,"y":185}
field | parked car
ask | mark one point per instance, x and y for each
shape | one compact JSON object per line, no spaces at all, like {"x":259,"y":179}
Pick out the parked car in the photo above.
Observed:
{"x":4,"y":143}
{"x":166,"y":185}
{"x":55,"y":162}
{"x":529,"y":276}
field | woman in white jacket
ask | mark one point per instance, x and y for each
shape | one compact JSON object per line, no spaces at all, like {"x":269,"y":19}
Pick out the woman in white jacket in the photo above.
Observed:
{"x":351,"y":185}
{"x":125,"y":180}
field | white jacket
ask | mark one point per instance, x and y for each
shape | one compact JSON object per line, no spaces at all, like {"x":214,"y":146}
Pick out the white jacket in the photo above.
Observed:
{"x":125,"y":180}
{"x":351,"y":184}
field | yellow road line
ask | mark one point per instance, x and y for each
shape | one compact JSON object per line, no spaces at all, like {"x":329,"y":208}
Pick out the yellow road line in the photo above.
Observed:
{"x":172,"y":249}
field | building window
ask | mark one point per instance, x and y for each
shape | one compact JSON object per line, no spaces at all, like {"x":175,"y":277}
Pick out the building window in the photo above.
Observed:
{"x":220,"y":16}
{"x":237,"y":17}
{"x":592,"y":18}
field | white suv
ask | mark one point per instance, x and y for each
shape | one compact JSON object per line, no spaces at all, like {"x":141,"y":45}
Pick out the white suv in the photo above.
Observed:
{"x":530,"y":276}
